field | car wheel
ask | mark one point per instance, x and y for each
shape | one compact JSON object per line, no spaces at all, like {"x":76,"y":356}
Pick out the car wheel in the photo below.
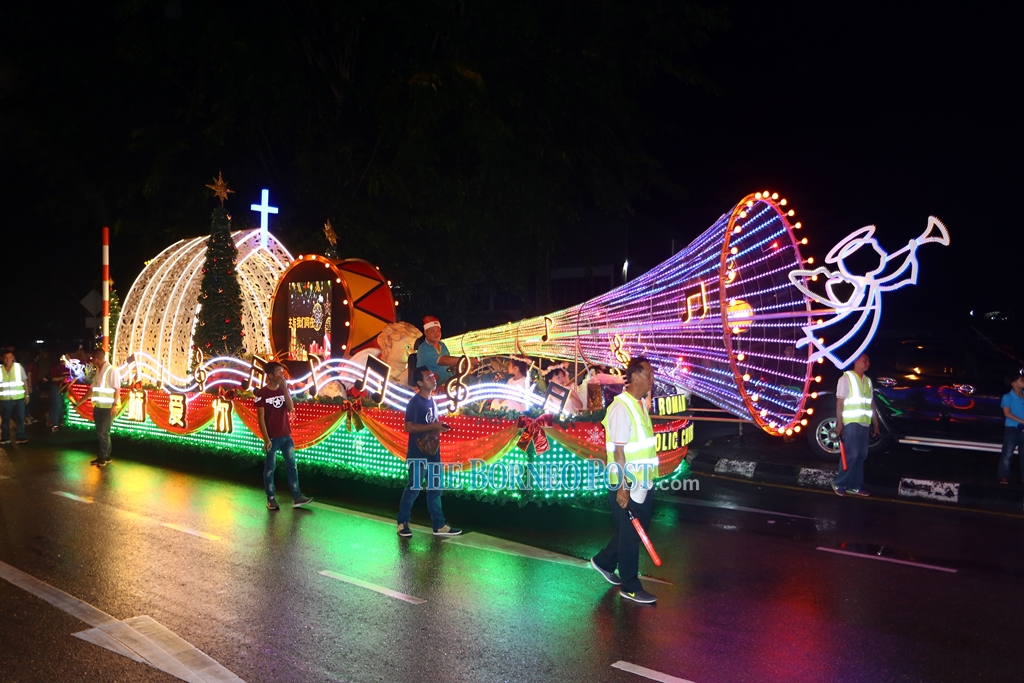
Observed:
{"x":822,"y":438}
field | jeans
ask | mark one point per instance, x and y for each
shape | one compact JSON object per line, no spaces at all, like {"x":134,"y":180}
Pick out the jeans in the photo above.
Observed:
{"x":15,"y":409}
{"x":56,"y":406}
{"x":855,"y":443}
{"x":1012,"y":438}
{"x":103,"y":417}
{"x":410,"y":495}
{"x":623,"y":550}
{"x":287,"y":448}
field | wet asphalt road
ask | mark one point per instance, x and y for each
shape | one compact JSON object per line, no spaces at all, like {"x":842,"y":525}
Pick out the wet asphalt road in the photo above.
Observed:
{"x":750,"y":597}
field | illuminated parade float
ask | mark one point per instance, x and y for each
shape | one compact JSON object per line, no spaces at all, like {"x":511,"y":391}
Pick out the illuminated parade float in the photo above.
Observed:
{"x":739,"y":318}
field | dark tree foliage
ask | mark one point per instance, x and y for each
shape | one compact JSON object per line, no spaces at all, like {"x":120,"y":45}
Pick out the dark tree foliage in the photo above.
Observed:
{"x":219,"y":324}
{"x":458,"y":144}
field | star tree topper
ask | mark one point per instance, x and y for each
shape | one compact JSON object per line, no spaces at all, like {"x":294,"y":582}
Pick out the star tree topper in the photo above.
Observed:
{"x":220,"y":188}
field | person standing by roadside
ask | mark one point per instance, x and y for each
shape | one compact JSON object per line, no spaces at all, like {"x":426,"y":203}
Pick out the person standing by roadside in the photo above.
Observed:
{"x":273,"y":403}
{"x":856,"y":422}
{"x":1013,"y":428}
{"x":424,"y":449}
{"x":58,"y":379}
{"x":630,"y":442}
{"x":105,"y":394}
{"x":15,"y":393}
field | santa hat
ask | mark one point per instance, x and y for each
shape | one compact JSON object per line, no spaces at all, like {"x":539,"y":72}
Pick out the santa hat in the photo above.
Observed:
{"x":429,"y":322}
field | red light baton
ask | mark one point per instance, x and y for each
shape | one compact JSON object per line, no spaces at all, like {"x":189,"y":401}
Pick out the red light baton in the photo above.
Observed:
{"x":842,"y":453}
{"x":643,"y":537}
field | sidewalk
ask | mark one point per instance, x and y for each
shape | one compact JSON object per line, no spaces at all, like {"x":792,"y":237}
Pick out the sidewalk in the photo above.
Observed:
{"x":952,"y":477}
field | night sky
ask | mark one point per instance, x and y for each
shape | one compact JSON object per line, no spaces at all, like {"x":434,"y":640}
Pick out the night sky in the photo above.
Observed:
{"x":860,"y":113}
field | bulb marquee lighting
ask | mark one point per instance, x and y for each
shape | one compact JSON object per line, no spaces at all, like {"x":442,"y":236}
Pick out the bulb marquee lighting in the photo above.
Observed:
{"x":729,"y":318}
{"x":158,"y":316}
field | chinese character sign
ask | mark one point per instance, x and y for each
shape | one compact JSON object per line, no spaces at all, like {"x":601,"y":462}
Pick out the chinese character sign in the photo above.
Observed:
{"x":176,"y":411}
{"x":222,"y":409}
{"x":137,"y":405}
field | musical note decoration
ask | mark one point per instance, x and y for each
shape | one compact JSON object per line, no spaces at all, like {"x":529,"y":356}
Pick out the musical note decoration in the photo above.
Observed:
{"x":455,"y":389}
{"x":377,"y":369}
{"x":548,"y":324}
{"x":199,"y":372}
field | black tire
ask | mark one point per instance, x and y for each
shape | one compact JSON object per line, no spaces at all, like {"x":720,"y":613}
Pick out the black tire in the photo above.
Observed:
{"x":821,"y":436}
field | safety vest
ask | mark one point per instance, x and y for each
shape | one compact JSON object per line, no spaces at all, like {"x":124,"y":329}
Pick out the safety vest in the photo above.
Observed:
{"x":12,"y":388}
{"x":102,"y":395}
{"x":641,"y":447}
{"x":857,"y":406}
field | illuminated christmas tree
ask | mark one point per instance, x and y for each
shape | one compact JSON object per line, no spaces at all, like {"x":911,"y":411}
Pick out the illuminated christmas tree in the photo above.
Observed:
{"x":219,"y":321}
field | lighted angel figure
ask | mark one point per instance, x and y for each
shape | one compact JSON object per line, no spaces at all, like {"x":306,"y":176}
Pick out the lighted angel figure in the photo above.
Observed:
{"x":895,"y":270}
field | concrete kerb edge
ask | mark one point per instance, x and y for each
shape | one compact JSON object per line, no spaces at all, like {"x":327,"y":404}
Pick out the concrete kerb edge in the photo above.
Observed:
{"x":944,"y":493}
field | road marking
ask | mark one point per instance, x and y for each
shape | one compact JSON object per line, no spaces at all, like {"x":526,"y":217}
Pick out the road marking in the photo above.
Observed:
{"x":888,"y":559}
{"x":738,"y":508}
{"x":372,"y":586}
{"x":141,"y":637}
{"x":501,"y":545}
{"x":742,"y":468}
{"x":366,"y":515}
{"x":648,"y":673}
{"x":200,"y":534}
{"x":72,"y":496}
{"x":943,"y":491}
{"x":56,"y":597}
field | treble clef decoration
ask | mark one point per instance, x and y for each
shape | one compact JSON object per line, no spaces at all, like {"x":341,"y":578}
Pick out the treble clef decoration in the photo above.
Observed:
{"x":199,"y":373}
{"x":619,"y":352}
{"x":455,"y":388}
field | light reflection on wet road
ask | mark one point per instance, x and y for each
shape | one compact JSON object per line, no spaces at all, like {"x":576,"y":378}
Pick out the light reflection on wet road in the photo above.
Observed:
{"x":749,"y":597}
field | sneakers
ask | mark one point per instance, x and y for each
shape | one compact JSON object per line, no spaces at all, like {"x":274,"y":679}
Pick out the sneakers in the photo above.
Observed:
{"x":100,"y":463}
{"x":610,"y":577}
{"x":858,"y":492}
{"x":447,"y":531}
{"x":641,"y":596}
{"x":21,"y":441}
{"x":272,"y":504}
{"x":1004,"y":481}
{"x":5,"y":442}
{"x":839,"y":490}
{"x":404,"y":531}
{"x":301,"y":501}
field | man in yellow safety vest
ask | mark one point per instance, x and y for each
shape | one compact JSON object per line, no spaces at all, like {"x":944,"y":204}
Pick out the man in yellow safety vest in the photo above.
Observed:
{"x":105,"y":394}
{"x":855,"y":420}
{"x":15,"y":392}
{"x":630,"y":444}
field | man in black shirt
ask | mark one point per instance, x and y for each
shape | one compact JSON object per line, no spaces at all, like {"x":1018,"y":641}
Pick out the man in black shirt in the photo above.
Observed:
{"x":424,"y":447}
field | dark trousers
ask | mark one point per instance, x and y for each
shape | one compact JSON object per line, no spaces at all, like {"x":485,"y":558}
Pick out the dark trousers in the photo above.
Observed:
{"x":102,"y":417}
{"x":412,"y":492}
{"x":623,"y":551}
{"x":856,"y":438}
{"x":12,"y":409}
{"x":1012,"y":439}
{"x":287,"y":448}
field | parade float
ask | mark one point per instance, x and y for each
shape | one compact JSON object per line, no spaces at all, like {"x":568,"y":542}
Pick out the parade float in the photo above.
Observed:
{"x":739,"y":318}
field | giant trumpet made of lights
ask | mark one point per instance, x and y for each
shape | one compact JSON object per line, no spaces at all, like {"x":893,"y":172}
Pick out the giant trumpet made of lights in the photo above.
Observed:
{"x":731,"y":318}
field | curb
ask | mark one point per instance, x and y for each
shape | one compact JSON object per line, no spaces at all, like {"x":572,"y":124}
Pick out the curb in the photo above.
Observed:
{"x":954,"y":494}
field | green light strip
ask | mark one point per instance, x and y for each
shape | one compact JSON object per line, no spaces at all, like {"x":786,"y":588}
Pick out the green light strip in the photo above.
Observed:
{"x":357,"y":453}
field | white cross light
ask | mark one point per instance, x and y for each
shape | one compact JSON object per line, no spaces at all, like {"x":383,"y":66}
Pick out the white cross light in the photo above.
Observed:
{"x":263,"y":208}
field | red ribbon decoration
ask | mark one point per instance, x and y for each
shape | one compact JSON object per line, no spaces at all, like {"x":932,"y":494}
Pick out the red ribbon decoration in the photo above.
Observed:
{"x":228,"y":395}
{"x":352,"y":409}
{"x":533,"y":430}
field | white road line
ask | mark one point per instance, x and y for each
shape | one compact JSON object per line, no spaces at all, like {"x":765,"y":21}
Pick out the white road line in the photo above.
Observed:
{"x":648,"y":673}
{"x":372,"y":586}
{"x":889,"y":559}
{"x":729,"y":506}
{"x":200,"y":534}
{"x":72,"y":496}
{"x":500,"y":545}
{"x":365,"y":515}
{"x":55,"y":596}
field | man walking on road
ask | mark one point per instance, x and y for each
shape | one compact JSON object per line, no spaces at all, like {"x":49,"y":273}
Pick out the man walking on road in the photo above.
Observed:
{"x":273,"y":403}
{"x":630,"y":442}
{"x":1013,"y":428}
{"x":856,"y":421}
{"x":105,"y":394}
{"x":424,"y":449}
{"x":15,"y":393}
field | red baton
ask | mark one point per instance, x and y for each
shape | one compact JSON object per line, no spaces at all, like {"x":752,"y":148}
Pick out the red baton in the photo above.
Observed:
{"x":643,"y":537}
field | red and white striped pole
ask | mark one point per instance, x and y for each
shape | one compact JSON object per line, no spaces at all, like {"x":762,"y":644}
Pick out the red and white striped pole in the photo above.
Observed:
{"x":106,"y":290}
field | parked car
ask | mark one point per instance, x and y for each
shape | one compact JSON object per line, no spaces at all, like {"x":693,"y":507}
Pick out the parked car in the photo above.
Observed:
{"x":930,"y":394}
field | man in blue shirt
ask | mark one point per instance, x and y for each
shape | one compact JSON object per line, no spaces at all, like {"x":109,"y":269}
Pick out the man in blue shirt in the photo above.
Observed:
{"x":424,"y":431}
{"x":1013,"y":431}
{"x":433,"y":354}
